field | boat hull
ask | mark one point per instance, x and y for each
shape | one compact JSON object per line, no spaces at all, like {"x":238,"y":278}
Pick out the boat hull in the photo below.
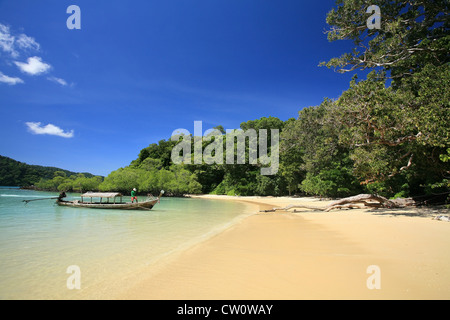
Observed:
{"x":145,"y":205}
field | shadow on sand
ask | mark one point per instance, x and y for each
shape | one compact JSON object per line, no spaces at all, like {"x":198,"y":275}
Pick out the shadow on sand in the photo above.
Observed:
{"x":420,"y":211}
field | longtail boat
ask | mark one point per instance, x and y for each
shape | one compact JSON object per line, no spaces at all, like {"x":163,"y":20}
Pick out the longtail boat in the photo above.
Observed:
{"x":108,"y":200}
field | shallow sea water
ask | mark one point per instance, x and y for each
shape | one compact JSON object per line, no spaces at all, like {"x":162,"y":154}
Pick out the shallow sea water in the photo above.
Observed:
{"x":40,"y":241}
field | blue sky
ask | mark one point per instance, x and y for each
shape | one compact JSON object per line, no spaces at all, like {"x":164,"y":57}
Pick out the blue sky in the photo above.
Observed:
{"x":138,"y":70}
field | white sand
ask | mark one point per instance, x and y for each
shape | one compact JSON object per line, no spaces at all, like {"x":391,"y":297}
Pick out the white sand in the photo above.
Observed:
{"x":309,"y":255}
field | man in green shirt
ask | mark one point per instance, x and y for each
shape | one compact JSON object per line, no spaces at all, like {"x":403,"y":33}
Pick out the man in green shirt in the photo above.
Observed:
{"x":133,"y":196}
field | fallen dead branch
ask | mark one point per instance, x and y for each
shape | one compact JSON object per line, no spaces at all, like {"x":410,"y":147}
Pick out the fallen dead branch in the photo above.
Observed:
{"x":360,"y":201}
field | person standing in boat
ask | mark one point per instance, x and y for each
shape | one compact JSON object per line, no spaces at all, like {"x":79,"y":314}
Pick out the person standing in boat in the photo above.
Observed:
{"x":133,"y":195}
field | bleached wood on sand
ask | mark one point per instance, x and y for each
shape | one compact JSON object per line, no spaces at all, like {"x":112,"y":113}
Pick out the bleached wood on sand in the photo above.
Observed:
{"x":359,"y":201}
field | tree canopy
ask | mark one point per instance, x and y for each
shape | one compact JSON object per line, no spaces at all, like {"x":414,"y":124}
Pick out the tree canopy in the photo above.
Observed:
{"x":412,"y":34}
{"x":15,"y":173}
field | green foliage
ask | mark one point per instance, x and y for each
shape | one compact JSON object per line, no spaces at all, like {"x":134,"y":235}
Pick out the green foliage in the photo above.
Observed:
{"x":235,"y":179}
{"x":121,"y":180}
{"x":15,"y":173}
{"x":160,"y":151}
{"x":150,"y":178}
{"x":335,"y":181}
{"x":72,"y":183}
{"x":315,"y":185}
{"x":445,"y":157}
{"x":413,"y":34}
{"x":397,"y":136}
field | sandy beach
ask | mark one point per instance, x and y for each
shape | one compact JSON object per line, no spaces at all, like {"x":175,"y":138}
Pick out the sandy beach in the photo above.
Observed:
{"x":342,"y":254}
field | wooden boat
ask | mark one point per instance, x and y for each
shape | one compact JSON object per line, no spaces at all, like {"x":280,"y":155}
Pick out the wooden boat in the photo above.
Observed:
{"x":113,"y":201}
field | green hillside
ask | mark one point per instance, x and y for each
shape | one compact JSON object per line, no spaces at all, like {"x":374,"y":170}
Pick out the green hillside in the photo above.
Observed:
{"x":15,"y":173}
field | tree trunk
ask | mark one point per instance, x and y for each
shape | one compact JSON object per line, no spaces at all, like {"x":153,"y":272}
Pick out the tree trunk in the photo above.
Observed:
{"x":361,"y":201}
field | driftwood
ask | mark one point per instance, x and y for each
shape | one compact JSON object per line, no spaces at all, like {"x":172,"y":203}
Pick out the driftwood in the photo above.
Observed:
{"x":360,"y":201}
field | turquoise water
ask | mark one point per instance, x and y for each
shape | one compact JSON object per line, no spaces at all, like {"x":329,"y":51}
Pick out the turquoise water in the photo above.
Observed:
{"x":40,"y":240}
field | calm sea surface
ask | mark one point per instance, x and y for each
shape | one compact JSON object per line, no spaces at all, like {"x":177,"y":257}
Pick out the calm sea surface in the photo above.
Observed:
{"x":40,"y":240}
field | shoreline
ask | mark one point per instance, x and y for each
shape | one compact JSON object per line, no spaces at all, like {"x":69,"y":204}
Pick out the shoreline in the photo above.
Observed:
{"x":308,"y":255}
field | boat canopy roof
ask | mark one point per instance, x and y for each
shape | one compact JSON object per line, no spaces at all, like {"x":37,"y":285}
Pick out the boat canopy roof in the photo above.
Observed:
{"x":102,"y":194}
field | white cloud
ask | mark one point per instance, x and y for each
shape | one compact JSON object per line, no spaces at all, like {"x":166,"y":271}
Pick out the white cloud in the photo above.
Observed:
{"x":50,"y":129}
{"x":34,"y":66}
{"x":14,"y":45}
{"x":9,"y":80}
{"x":58,"y":80}
{"x":7,"y":41}
{"x":26,"y":42}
